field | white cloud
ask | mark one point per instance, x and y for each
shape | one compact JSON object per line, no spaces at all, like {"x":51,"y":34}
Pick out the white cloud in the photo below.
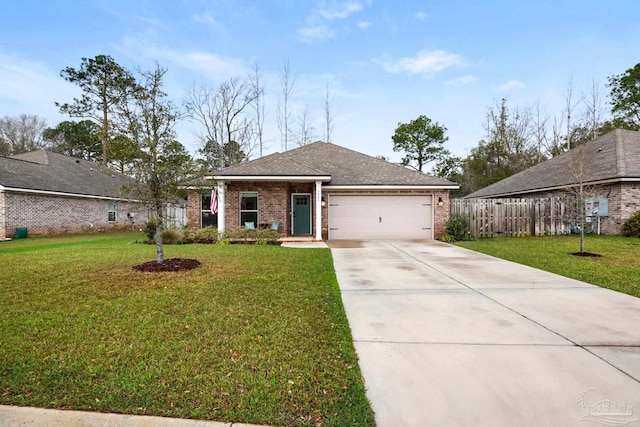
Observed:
{"x":30,"y":87}
{"x":460,"y":81}
{"x":317,"y":25}
{"x":511,"y":85}
{"x":423,"y":62}
{"x":311,"y":33}
{"x":421,"y":16}
{"x":211,"y":65}
{"x":338,"y":10}
{"x":208,"y":19}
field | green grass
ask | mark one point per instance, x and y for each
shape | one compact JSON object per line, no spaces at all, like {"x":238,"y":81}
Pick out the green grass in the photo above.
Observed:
{"x":618,"y":268}
{"x":257,"y":334}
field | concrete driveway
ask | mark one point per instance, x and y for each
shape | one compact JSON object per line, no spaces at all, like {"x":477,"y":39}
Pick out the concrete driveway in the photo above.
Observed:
{"x":448,"y":336}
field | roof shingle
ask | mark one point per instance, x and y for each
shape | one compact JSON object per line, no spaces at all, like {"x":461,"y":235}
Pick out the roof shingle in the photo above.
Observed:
{"x":47,"y":171}
{"x":345,"y":166}
{"x":615,"y":155}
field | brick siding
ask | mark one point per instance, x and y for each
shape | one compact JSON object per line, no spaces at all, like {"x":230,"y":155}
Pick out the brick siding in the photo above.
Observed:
{"x":274,"y":204}
{"x":194,"y":209}
{"x":43,"y":214}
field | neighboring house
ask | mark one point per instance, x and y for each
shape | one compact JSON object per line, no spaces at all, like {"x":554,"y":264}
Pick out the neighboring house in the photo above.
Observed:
{"x":608,"y":167}
{"x":325,"y":191}
{"x":50,"y":193}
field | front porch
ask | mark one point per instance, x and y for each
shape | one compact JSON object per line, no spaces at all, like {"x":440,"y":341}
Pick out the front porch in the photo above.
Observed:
{"x":294,"y":206}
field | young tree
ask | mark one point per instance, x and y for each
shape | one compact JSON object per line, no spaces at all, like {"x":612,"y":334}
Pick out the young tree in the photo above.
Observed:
{"x":421,"y":141}
{"x":105,"y":85}
{"x":21,"y":134}
{"x":625,"y":98}
{"x":287,"y":84}
{"x":162,"y":163}
{"x":582,"y":191}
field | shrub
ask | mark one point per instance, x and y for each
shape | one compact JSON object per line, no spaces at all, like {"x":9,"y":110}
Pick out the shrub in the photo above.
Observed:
{"x":206,"y":235}
{"x":631,"y":227}
{"x":171,"y":236}
{"x":458,"y":228}
{"x":250,"y":235}
{"x":150,"y":229}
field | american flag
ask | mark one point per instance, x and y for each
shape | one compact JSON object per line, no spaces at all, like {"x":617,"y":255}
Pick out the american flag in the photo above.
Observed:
{"x":214,"y":202}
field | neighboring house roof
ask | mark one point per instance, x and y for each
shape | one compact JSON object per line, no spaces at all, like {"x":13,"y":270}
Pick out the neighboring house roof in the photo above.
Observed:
{"x":612,"y":157}
{"x":331,"y":163}
{"x":45,"y":171}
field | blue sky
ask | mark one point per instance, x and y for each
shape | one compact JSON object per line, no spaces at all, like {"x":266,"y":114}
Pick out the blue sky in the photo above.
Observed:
{"x":385,"y":61}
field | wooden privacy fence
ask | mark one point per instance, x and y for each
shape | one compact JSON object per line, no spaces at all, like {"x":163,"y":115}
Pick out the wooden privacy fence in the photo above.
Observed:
{"x":514,"y":217}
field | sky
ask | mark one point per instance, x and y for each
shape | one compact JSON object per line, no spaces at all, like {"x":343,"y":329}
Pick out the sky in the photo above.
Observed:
{"x":384,"y":62}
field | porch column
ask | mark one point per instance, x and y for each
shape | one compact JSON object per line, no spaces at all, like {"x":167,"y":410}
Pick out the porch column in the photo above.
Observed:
{"x":318,"y":210}
{"x":221,"y":207}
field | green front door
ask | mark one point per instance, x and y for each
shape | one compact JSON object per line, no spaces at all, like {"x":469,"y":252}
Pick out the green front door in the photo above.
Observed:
{"x":301,"y":212}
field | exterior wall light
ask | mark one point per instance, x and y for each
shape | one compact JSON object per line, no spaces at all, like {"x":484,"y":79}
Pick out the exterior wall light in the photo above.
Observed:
{"x":440,"y":201}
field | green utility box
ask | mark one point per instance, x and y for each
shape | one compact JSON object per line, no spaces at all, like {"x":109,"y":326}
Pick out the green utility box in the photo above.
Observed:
{"x":21,"y":233}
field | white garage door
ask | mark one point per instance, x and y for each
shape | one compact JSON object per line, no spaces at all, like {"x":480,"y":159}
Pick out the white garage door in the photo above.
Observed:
{"x":380,"y":217}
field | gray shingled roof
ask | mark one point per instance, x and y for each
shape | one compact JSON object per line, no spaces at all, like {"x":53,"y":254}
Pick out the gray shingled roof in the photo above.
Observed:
{"x":613,"y":156}
{"x":344,"y":166}
{"x":47,"y":171}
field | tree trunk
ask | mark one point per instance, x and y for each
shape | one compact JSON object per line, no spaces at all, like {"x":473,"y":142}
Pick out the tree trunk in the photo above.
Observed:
{"x":105,"y":132}
{"x":159,"y":229}
{"x":581,"y":209}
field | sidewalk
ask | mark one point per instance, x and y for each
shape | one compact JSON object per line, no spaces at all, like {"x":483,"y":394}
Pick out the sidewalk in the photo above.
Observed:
{"x":14,"y":416}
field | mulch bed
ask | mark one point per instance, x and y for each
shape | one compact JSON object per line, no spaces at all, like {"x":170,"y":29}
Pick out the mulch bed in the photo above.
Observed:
{"x":171,"y":264}
{"x":586,"y":254}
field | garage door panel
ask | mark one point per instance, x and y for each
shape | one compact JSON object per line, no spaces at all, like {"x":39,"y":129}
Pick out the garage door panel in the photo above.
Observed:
{"x":380,"y":217}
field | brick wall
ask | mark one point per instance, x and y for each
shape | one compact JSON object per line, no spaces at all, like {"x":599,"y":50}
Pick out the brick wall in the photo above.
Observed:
{"x":43,"y":214}
{"x":194,"y":209}
{"x":3,"y":229}
{"x":629,"y":200}
{"x":274,"y":204}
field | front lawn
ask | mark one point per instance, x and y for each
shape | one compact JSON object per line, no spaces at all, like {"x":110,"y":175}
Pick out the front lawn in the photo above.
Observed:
{"x":257,"y":334}
{"x":617,"y":269}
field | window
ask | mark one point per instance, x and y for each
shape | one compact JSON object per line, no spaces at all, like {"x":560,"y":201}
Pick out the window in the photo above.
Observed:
{"x":207,"y":217}
{"x":249,"y":208}
{"x":111,"y":212}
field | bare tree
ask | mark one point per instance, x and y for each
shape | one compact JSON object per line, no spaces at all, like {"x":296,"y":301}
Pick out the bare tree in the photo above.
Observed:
{"x":328,"y":117}
{"x":582,"y":190}
{"x":570,"y":106}
{"x":306,"y":132}
{"x":557,"y":136}
{"x":227,"y":126}
{"x":540,"y":129}
{"x":287,"y":84}
{"x":257,"y":90}
{"x":594,"y":106}
{"x":21,"y":133}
